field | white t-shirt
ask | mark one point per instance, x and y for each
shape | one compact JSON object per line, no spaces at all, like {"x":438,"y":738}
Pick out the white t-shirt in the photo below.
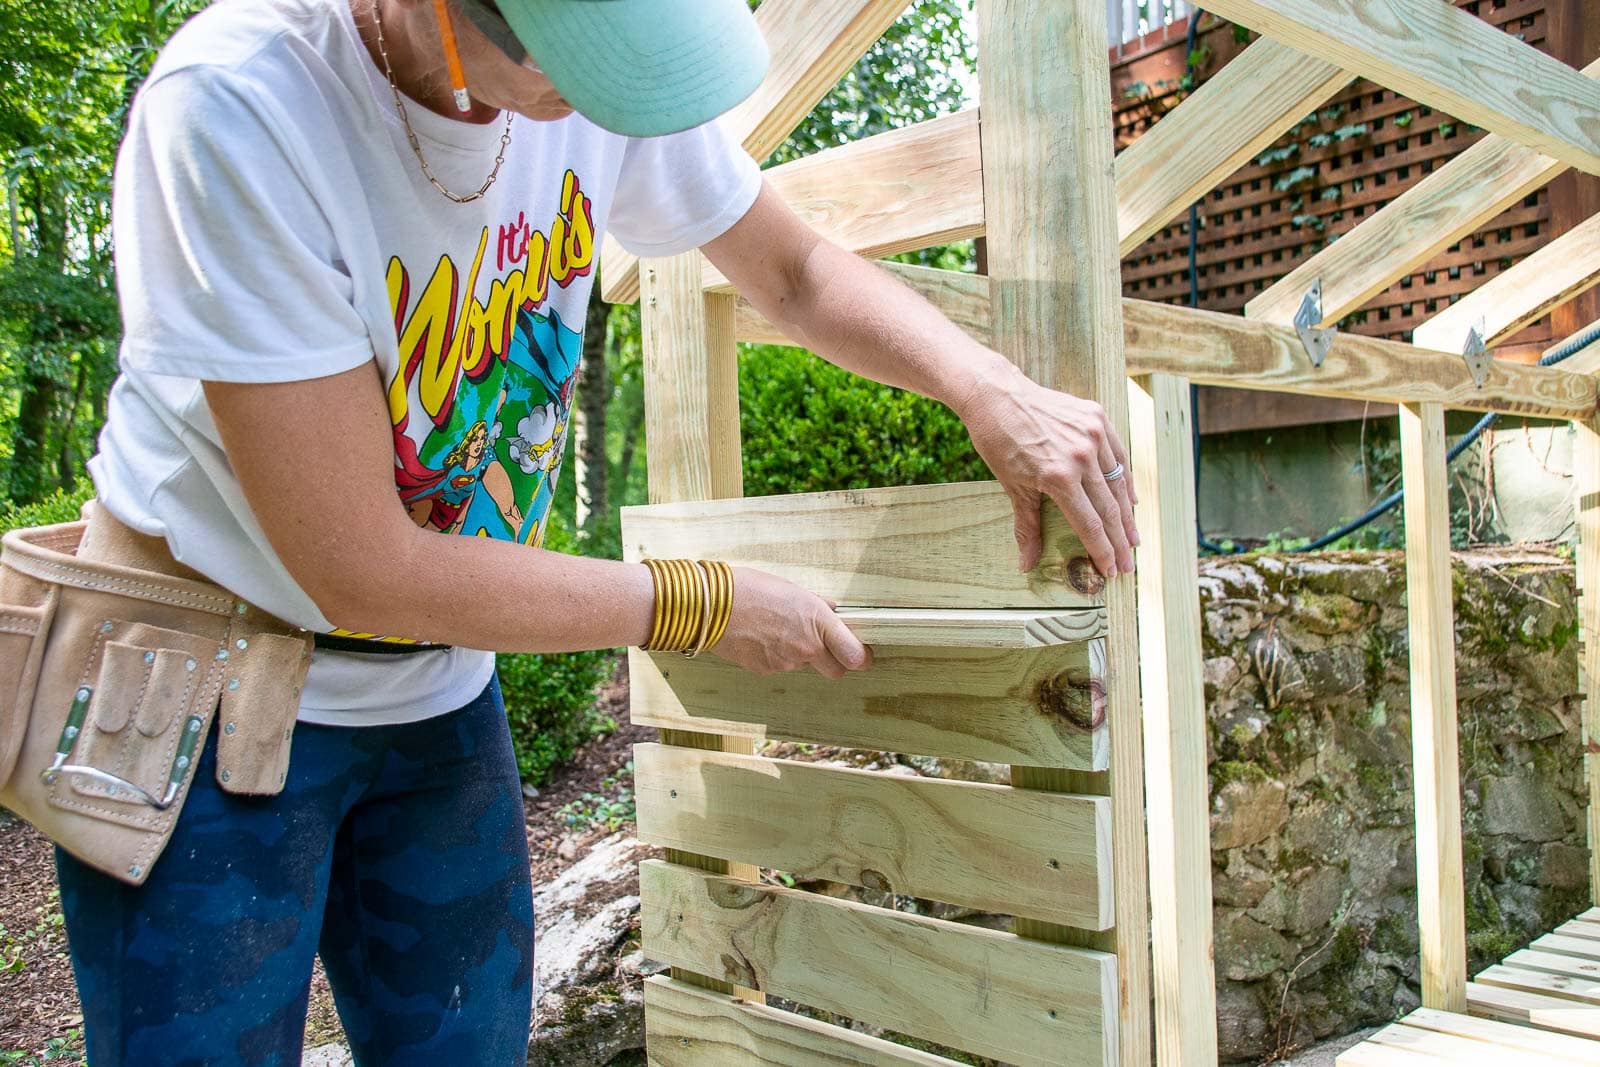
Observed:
{"x":273,"y":224}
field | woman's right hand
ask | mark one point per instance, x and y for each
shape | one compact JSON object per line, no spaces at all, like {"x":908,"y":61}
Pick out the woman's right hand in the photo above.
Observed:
{"x":778,"y":626}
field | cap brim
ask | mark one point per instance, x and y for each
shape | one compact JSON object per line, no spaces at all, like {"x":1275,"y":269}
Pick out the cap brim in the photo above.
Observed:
{"x":642,"y":67}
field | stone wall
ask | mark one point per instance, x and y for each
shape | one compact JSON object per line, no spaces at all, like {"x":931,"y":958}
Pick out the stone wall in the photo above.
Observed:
{"x":1313,"y":857}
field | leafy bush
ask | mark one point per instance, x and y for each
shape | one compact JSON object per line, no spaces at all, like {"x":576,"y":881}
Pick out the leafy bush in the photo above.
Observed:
{"x":60,"y":506}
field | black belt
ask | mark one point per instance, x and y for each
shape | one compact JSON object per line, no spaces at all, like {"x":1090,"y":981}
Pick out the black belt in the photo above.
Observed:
{"x":335,"y":643}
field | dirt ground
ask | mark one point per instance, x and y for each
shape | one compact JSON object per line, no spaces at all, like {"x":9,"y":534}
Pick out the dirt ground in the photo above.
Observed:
{"x":38,"y":1001}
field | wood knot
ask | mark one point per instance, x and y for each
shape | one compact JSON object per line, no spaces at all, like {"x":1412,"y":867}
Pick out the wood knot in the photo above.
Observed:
{"x":875,"y":880}
{"x":737,"y":969}
{"x":1083,"y":576}
{"x":1078,"y":699}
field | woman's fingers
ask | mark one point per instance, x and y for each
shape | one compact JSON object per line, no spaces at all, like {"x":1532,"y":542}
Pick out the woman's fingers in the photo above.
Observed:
{"x":1087,"y":520}
{"x":1025,"y":507}
{"x":1122,"y":493}
{"x":844,"y":647}
{"x":1103,"y":498}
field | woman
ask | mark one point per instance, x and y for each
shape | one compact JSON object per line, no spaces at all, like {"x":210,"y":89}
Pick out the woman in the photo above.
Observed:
{"x":358,"y":233}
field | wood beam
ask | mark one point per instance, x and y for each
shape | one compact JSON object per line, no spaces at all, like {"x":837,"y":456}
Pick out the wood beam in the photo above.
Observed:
{"x":1572,"y":35}
{"x":1441,"y":209}
{"x":1586,"y":489}
{"x":1446,"y":58}
{"x":1226,"y":122}
{"x":813,"y":44}
{"x":1513,"y":298}
{"x":1585,"y":360}
{"x":1226,"y":350}
{"x":1049,"y":200}
{"x":1441,"y":903}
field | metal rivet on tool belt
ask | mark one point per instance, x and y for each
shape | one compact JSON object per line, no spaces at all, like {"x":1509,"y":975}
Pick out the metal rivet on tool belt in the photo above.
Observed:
{"x":149,"y":657}
{"x":226,"y":776}
{"x":286,"y":734}
{"x":188,"y":664}
{"x":222,"y":653}
{"x":106,"y":627}
{"x":194,"y":724}
{"x":241,"y":607}
{"x":135,"y":871}
{"x":83,"y":693}
{"x":228,"y":729}
{"x":233,"y":683}
{"x":183,"y":763}
{"x":242,"y":643}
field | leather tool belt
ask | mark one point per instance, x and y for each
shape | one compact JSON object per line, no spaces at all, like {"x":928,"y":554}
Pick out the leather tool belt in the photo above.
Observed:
{"x":115,"y":662}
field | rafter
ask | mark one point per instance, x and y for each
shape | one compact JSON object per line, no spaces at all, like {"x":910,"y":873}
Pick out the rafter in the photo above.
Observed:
{"x":1446,"y":58}
{"x":1446,"y":206}
{"x":1585,"y":360}
{"x":813,"y":43}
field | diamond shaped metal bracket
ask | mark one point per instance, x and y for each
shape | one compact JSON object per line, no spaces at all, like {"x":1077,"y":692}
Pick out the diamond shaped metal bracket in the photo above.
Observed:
{"x":1316,"y":341}
{"x":1477,"y":356}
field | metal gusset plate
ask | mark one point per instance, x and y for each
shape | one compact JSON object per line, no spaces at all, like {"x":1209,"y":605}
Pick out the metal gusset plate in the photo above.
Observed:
{"x":1315,"y":340}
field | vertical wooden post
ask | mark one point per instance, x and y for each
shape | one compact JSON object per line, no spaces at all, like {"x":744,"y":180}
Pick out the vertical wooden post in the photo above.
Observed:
{"x":691,"y":398}
{"x":1177,"y":795}
{"x":1572,"y":35}
{"x":1055,"y":288}
{"x":1441,"y":906}
{"x":1586,"y":479}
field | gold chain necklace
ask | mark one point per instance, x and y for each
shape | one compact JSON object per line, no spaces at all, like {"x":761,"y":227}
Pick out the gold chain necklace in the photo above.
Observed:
{"x":411,"y":135}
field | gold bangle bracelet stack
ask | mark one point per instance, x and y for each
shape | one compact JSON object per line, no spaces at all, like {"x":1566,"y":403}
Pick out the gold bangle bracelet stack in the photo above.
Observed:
{"x":694,"y":600}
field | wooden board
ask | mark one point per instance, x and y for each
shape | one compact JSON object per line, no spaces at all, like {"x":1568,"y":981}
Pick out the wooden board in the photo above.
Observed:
{"x":990,"y":847}
{"x":1554,"y":963}
{"x":1585,"y":360}
{"x":1581,"y":947}
{"x":1580,"y":928}
{"x":1516,"y":1039}
{"x":1516,"y":297}
{"x":1586,"y":486}
{"x":1446,"y":58}
{"x":1583,"y":990}
{"x":1212,"y":348}
{"x":983,"y":991}
{"x":1225,"y":123}
{"x":922,"y":546}
{"x":1447,"y":205}
{"x":1038,"y":706}
{"x":1444,"y":1048}
{"x":1435,"y":767}
{"x":694,"y":1027}
{"x":1533,"y":1009}
{"x":812,"y":44}
{"x":1178,"y":798}
{"x":974,"y":628}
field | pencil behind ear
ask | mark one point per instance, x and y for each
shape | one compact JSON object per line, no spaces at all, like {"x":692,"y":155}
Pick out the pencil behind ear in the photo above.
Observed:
{"x":452,"y":57}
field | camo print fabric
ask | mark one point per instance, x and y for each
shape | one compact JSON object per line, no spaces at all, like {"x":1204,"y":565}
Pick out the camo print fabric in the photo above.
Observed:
{"x":396,"y":851}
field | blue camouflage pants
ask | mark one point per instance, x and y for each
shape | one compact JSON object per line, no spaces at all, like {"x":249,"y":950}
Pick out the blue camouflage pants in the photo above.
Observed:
{"x":397,"y":852}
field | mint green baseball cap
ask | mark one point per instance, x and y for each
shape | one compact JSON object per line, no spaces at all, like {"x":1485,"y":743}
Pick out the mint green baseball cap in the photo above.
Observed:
{"x":644,"y":67}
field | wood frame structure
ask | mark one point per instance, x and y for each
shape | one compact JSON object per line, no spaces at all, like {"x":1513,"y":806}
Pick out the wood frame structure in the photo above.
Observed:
{"x":1098,"y":846}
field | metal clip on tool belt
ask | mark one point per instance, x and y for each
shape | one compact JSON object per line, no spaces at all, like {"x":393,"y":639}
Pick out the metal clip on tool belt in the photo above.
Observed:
{"x":115,"y":661}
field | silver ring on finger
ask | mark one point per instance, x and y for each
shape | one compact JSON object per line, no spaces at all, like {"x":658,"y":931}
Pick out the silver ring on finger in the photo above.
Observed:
{"x":1114,"y":473}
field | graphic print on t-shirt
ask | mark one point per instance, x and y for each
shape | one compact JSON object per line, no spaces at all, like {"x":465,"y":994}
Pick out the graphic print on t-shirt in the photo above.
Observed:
{"x":481,"y":401}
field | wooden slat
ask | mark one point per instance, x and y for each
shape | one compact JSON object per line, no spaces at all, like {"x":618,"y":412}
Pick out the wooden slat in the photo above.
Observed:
{"x":1213,"y":348}
{"x":1516,"y":297}
{"x":983,"y":991}
{"x":1225,"y":123}
{"x":693,"y":1027}
{"x":1435,"y":769}
{"x":1505,"y":1036}
{"x":922,"y":546}
{"x":1583,"y":990}
{"x":892,"y":192}
{"x":990,"y":847}
{"x":1554,"y":963}
{"x":812,"y":43}
{"x":975,"y":627}
{"x":1370,"y":1055}
{"x":1581,"y":947}
{"x":1533,"y":1009}
{"x":1586,"y":487}
{"x":1038,"y":706}
{"x":1454,"y":201}
{"x":1446,"y":58}
{"x":1580,"y":928}
{"x":1447,"y":1047}
{"x":1049,"y":202}
{"x":1177,"y":794}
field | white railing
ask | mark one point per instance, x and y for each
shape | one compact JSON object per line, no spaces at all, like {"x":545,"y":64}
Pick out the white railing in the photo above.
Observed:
{"x":1130,"y":19}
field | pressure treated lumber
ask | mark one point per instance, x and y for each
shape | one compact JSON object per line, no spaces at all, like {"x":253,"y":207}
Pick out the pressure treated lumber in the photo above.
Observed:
{"x":1178,"y":797}
{"x":1586,"y":487}
{"x":974,"y":627}
{"x":1049,"y":201}
{"x":1581,"y":990}
{"x":1533,"y":1009}
{"x":990,"y":847}
{"x":1514,"y":1038}
{"x":1211,"y":348}
{"x":1561,"y":945}
{"x":1451,"y":203}
{"x":694,"y":1027}
{"x":1478,"y":1051}
{"x":1554,"y":963}
{"x":813,"y":43}
{"x":1584,"y":361}
{"x":1044,"y":707}
{"x":1446,"y":58}
{"x":1514,"y":298}
{"x":1435,"y":770}
{"x":983,"y":991}
{"x":922,"y":546}
{"x":1222,"y":125}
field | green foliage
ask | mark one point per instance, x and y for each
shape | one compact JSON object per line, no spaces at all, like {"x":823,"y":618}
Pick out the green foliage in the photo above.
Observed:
{"x":60,"y":506}
{"x":612,"y":807}
{"x":67,"y":1049}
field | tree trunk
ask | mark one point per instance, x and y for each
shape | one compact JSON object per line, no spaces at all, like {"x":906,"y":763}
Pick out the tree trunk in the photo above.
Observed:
{"x":594,"y":393}
{"x":35,"y":404}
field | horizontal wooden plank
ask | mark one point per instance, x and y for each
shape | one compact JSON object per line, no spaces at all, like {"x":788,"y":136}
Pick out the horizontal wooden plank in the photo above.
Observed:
{"x":1211,"y":348}
{"x":812,"y":43}
{"x":1444,"y":1048}
{"x":983,"y":991}
{"x":1580,"y":927}
{"x":1040,"y":707}
{"x":1367,"y":1054}
{"x":990,"y":847}
{"x":921,"y":546}
{"x":1446,"y":58}
{"x":1554,"y":963}
{"x":686,"y":1026}
{"x":1583,"y":947}
{"x":1514,"y":1039}
{"x":1533,"y":1009}
{"x":975,"y":627}
{"x":1583,"y":990}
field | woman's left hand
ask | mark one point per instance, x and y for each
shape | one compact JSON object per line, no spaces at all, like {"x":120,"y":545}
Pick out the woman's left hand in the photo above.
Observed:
{"x":1043,"y":443}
